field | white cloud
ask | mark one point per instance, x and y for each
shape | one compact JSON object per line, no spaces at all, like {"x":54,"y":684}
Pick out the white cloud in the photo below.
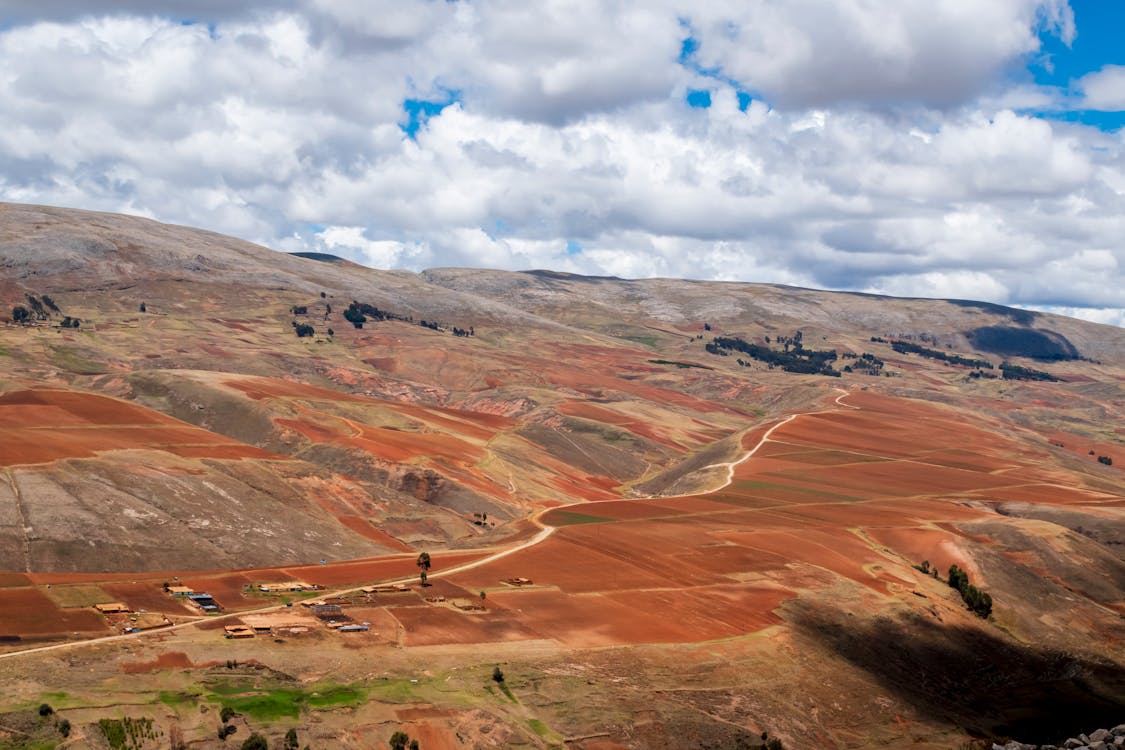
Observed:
{"x":1104,"y":89}
{"x":889,"y":154}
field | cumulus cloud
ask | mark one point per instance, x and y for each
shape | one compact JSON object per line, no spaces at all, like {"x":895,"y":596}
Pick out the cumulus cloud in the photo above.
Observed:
{"x":1105,"y":89}
{"x":559,"y":137}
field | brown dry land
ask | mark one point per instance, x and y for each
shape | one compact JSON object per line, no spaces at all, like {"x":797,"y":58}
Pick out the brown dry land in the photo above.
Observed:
{"x":710,"y":553}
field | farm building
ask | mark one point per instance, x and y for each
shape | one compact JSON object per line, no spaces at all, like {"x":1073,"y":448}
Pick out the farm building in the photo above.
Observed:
{"x":355,"y":628}
{"x":238,"y":631}
{"x":285,"y":586}
{"x":204,"y":601}
{"x":114,"y":608}
{"x":517,"y":581}
{"x":180,"y":590}
{"x":396,"y":588}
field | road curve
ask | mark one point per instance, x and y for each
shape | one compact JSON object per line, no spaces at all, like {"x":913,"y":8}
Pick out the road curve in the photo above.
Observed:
{"x":544,"y":534}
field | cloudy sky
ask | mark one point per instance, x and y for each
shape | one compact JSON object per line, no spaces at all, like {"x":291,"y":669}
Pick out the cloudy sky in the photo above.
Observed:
{"x":938,"y":148}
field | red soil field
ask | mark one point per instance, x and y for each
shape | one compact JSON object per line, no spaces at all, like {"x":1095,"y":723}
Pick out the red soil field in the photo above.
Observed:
{"x":29,"y":612}
{"x":43,"y":426}
{"x":364,"y":528}
{"x":148,"y":596}
{"x":366,"y":571}
{"x":940,"y":547}
{"x":571,"y":566}
{"x":169,"y":660}
{"x":86,"y":407}
{"x":433,"y":625}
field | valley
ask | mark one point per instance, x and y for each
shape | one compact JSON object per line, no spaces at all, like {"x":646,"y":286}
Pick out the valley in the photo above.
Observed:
{"x":661,"y":537}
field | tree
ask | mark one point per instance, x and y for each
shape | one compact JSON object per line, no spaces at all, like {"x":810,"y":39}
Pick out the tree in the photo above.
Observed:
{"x":291,"y":742}
{"x":64,"y":727}
{"x":423,"y":576}
{"x":497,"y":675}
{"x":45,"y":709}
{"x":483,"y":596}
{"x":255,"y":742}
{"x":399,"y":741}
{"x":143,"y":308}
{"x":227,"y":713}
{"x":20,"y":314}
{"x":414,"y":745}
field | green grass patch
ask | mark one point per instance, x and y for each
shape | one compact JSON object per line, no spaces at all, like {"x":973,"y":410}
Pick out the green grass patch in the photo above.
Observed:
{"x":570,"y":518}
{"x":76,"y":360}
{"x":392,"y":691}
{"x":508,"y":692}
{"x":267,"y":706}
{"x":173,"y":698}
{"x":336,"y":697}
{"x":278,"y":703}
{"x":28,"y":744}
{"x":70,"y":597}
{"x":538,"y":727}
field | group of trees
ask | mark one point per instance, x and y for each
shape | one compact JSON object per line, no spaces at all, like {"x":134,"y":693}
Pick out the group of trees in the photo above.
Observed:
{"x":905,"y":347}
{"x":975,"y":599}
{"x":865,"y":362}
{"x":1016,"y":372}
{"x":401,"y":741}
{"x":41,"y":309}
{"x":303,"y":330}
{"x":1105,"y":460}
{"x":794,"y":357}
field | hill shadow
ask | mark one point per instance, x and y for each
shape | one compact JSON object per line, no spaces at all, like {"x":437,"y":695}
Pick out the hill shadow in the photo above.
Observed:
{"x":989,"y":685}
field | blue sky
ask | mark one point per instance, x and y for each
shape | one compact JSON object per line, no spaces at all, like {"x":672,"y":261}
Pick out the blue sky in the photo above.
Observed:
{"x":1101,"y":29}
{"x":961,"y":149}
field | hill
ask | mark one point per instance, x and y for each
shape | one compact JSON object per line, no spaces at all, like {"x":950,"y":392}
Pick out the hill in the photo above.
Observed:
{"x":741,"y":492}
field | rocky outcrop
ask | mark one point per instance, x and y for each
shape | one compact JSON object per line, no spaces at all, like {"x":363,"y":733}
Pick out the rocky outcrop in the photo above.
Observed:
{"x":1099,"y":739}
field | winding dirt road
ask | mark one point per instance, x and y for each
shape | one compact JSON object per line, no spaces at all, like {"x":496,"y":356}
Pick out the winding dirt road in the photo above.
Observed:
{"x":544,"y":533}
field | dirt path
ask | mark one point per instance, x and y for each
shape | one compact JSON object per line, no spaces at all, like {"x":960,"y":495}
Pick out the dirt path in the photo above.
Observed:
{"x":25,"y":538}
{"x":544,"y":534}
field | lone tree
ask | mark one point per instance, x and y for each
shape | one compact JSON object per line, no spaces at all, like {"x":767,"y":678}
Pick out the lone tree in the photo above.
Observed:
{"x":497,"y":675}
{"x":291,"y":742}
{"x":400,"y":741}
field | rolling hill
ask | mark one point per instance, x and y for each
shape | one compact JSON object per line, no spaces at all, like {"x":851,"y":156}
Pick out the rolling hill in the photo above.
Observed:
{"x":695,"y":475}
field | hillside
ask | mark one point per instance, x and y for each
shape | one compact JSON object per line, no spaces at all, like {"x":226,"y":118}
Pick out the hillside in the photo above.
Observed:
{"x":748,"y":485}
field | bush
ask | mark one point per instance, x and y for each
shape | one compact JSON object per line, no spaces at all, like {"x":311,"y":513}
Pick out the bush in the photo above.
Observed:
{"x":291,"y":741}
{"x":45,"y":709}
{"x":1105,"y":460}
{"x":64,"y":727}
{"x":226,"y":730}
{"x":255,"y":742}
{"x":227,"y":714}
{"x":497,"y":675}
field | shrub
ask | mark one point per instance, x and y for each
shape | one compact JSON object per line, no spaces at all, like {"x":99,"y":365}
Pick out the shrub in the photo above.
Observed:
{"x":226,"y":714}
{"x":497,"y":675}
{"x":255,"y":742}
{"x":45,"y":709}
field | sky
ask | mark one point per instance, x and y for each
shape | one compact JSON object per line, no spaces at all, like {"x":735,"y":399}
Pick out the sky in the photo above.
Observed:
{"x":945,"y":148}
